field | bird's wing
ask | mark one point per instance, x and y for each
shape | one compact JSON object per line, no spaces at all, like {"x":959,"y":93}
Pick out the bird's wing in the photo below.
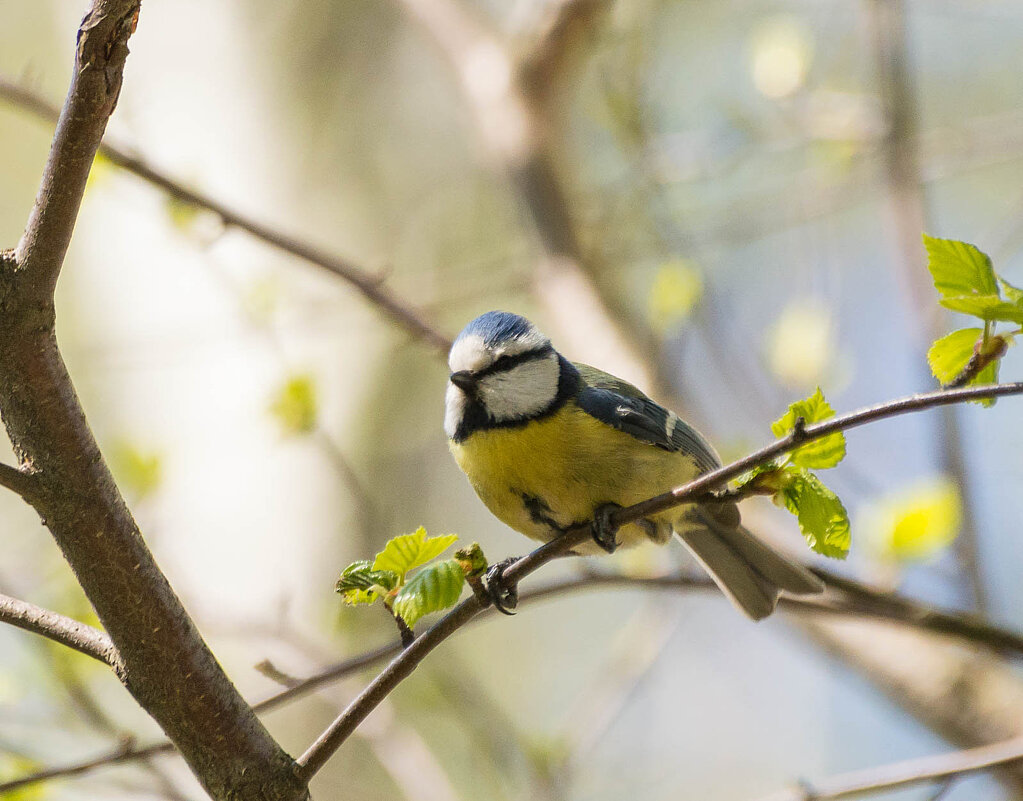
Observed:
{"x":621,"y":405}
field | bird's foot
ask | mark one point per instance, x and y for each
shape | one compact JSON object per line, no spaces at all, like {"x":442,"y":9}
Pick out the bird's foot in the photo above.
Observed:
{"x":503,"y":595}
{"x":603,"y":528}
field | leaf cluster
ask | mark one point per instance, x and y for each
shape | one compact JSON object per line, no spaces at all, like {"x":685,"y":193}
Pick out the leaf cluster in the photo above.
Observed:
{"x":789,"y":481}
{"x":389,"y":577}
{"x":967,"y":283}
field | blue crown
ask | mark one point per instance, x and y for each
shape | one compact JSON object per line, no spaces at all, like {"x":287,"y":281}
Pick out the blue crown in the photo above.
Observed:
{"x":497,"y":326}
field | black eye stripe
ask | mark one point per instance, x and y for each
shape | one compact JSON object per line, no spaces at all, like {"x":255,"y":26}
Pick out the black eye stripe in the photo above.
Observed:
{"x":505,"y":363}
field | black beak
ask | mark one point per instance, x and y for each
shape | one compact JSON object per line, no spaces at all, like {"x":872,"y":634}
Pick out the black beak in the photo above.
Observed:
{"x":464,"y":380}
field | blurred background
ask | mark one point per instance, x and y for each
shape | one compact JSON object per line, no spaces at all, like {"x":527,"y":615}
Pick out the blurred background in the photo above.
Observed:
{"x":719,"y":200}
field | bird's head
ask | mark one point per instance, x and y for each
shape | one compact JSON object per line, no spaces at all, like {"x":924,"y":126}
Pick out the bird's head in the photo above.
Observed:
{"x":504,"y":371}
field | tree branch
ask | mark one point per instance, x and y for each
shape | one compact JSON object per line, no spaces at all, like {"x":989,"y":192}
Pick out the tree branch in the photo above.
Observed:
{"x":67,"y":631}
{"x":20,"y":482}
{"x":95,"y":86}
{"x":885,"y":606}
{"x":402,"y":666}
{"x":164,"y":662}
{"x":372,"y":287}
{"x":903,"y":774}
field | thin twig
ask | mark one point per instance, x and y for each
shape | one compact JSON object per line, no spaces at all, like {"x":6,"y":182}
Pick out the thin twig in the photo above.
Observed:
{"x":20,"y":482}
{"x":402,"y":666}
{"x":67,"y":631}
{"x":871,"y":603}
{"x":903,"y":774}
{"x":371,"y":286}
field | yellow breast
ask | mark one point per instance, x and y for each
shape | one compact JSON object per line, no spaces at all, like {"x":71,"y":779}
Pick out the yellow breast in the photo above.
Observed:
{"x":554,"y":472}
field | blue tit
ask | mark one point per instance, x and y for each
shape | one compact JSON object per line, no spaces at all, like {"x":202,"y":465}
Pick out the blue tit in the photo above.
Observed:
{"x":549,"y":445}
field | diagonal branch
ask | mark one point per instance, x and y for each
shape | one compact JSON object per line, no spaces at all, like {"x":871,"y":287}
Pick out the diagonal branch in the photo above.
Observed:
{"x":866,"y":602}
{"x":67,"y":631}
{"x":401,"y":667}
{"x":904,"y":774}
{"x":372,"y":287}
{"x":95,"y":86}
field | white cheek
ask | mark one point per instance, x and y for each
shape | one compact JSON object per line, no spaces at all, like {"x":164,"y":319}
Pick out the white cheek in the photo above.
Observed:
{"x":523,"y":391}
{"x":454,"y":402}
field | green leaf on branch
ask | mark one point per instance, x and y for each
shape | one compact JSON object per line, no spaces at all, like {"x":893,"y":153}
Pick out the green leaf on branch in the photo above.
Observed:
{"x":949,"y":355}
{"x":360,"y":583}
{"x":435,"y":587}
{"x":821,"y":515}
{"x":821,"y":453}
{"x":959,"y":268}
{"x":986,"y":307}
{"x":1012,"y":293}
{"x":403,"y":553}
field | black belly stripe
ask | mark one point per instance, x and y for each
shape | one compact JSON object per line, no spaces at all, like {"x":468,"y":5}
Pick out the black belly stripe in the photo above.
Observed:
{"x":539,"y":511}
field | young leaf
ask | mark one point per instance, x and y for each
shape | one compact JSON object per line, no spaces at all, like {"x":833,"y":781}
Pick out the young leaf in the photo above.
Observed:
{"x":959,"y":268}
{"x":1012,"y":293}
{"x":819,"y":454}
{"x":949,"y":355}
{"x":295,"y":405}
{"x":987,"y":307}
{"x":917,"y":523}
{"x":359,"y":583}
{"x":821,"y":515}
{"x":403,"y":553}
{"x":989,"y":375}
{"x":433,"y":588}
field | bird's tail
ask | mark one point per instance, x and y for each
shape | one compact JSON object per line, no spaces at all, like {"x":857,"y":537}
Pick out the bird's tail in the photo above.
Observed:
{"x":749,"y":572}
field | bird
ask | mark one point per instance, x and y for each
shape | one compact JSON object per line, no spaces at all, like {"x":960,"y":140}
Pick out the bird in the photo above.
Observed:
{"x":548,"y":445}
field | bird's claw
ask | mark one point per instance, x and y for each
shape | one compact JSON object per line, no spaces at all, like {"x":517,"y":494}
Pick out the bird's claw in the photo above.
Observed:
{"x":603,"y":528}
{"x":503,"y":595}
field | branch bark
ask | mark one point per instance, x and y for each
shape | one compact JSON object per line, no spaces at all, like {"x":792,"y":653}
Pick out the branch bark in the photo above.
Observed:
{"x":863,"y":601}
{"x":164,"y":662}
{"x":67,"y":631}
{"x":20,"y":482}
{"x":317,"y":755}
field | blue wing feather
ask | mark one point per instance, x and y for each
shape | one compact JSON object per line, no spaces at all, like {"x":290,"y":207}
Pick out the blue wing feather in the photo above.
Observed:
{"x":622,"y":406}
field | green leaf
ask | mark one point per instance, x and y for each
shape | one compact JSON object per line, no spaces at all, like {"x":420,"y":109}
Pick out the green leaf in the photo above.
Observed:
{"x":1012,"y":293}
{"x":431,"y":589}
{"x":949,"y":355}
{"x":822,"y":453}
{"x":917,"y":523}
{"x":472,"y":560}
{"x":359,"y":583}
{"x":403,"y":553}
{"x":989,"y":375}
{"x":959,"y":268}
{"x":987,"y":307}
{"x":295,"y":405}
{"x":821,"y":515}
